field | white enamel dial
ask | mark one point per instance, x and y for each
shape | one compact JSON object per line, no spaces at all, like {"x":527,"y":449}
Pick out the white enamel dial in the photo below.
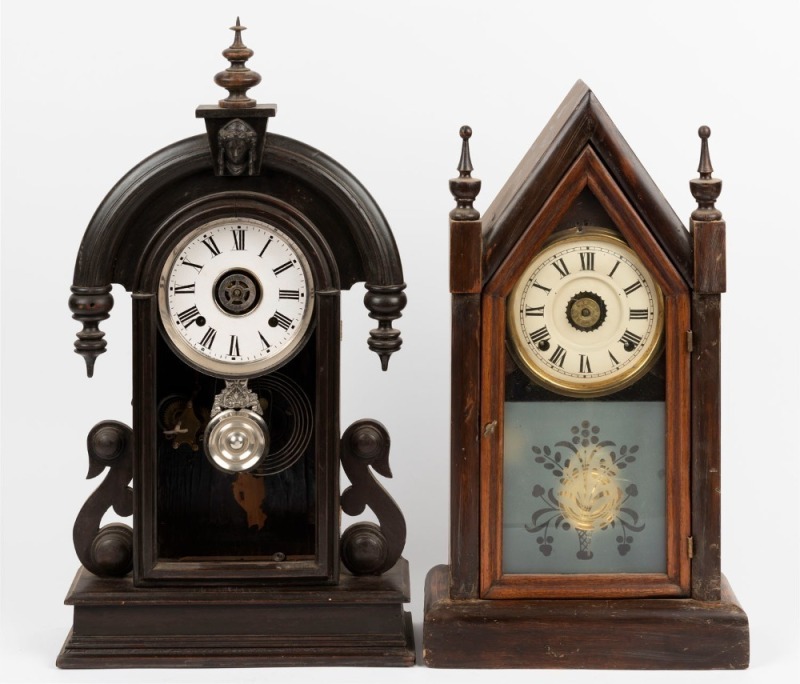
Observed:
{"x":585,"y":318}
{"x":236,"y":297}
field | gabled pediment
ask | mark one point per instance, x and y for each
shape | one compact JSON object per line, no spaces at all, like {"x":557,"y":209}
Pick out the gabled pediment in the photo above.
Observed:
{"x":580,"y":124}
{"x":586,"y":182}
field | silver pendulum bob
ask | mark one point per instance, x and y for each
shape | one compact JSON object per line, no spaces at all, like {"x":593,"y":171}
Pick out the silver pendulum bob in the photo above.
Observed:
{"x":236,"y":438}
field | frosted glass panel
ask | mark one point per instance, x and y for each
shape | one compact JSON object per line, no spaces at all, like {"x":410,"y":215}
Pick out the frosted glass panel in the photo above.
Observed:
{"x":584,"y":488}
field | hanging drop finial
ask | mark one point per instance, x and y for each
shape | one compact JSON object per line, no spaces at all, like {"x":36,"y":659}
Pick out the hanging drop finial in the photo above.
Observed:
{"x":705,"y":189}
{"x":237,"y":79}
{"x":465,"y":188}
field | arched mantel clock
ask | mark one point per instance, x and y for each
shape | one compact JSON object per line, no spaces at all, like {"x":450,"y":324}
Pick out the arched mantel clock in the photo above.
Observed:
{"x":235,"y":246}
{"x":585,"y":446}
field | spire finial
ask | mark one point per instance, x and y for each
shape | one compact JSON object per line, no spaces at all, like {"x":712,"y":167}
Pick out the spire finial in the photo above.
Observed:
{"x":705,"y":189}
{"x":465,"y":167}
{"x":465,"y":188}
{"x":237,"y":79}
{"x":704,"y":168}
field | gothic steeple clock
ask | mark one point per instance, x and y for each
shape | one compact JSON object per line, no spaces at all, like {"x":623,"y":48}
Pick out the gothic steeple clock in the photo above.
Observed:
{"x":235,"y":246}
{"x":585,"y":444}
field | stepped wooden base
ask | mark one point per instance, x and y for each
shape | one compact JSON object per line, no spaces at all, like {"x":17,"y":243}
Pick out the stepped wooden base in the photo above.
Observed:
{"x":360,"y":621}
{"x":642,"y":634}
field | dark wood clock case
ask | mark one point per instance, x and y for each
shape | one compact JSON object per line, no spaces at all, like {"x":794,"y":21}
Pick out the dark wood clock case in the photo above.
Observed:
{"x":220,"y":570}
{"x":581,"y":172}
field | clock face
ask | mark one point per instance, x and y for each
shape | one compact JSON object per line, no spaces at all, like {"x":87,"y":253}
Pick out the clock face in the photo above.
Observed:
{"x":236,"y":297}
{"x":586,"y":317}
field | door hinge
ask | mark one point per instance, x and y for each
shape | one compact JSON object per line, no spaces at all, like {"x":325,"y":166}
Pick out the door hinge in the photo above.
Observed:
{"x":689,"y":341}
{"x":690,"y":546}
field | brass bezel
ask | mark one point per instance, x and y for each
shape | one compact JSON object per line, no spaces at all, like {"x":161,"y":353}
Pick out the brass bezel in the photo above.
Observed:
{"x":603,"y":386}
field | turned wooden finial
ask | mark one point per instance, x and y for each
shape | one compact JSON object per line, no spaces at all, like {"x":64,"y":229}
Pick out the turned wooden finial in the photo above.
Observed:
{"x":465,"y":188}
{"x":237,"y":79}
{"x":705,"y":189}
{"x":385,"y":304}
{"x":90,"y":306}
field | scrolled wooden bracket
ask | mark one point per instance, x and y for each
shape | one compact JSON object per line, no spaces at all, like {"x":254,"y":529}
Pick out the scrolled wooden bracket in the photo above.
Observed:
{"x":367,"y":548}
{"x":90,"y":306}
{"x":107,"y":551}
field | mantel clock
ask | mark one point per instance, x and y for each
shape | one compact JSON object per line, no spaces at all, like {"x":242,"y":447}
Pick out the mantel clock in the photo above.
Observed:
{"x":586,"y":380}
{"x":235,"y":246}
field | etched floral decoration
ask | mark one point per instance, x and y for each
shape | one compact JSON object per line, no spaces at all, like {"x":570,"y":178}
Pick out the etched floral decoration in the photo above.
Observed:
{"x":590,"y":495}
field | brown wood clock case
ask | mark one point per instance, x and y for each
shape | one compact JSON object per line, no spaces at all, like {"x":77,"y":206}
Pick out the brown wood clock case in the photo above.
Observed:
{"x":585,"y":471}
{"x":235,"y":246}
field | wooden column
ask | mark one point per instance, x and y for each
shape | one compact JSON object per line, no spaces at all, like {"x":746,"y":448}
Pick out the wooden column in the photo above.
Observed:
{"x":708,"y":233}
{"x":465,"y":287}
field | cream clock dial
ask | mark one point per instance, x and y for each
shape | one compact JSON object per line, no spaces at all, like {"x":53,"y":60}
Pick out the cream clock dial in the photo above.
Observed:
{"x":236,"y":297}
{"x":586,"y":317}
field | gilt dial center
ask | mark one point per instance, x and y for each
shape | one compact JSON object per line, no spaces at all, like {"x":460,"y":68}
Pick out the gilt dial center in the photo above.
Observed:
{"x":586,"y":311}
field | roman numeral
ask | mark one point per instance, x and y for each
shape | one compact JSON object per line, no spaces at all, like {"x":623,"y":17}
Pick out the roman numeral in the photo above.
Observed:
{"x":585,"y":366}
{"x":540,"y":334}
{"x":234,"y":348}
{"x":534,"y":311}
{"x":630,"y":340}
{"x":288,"y":294}
{"x":613,"y":359}
{"x":212,"y":246}
{"x":189,"y":316}
{"x":208,"y":338}
{"x":184,"y":289}
{"x":633,"y":288}
{"x":561,"y":267}
{"x":261,"y":253}
{"x":587,"y":261}
{"x":283,"y":267}
{"x":557,"y":359}
{"x":238,"y":239}
{"x":197,"y":267}
{"x":638,"y":314}
{"x":611,"y":275}
{"x":264,"y":343}
{"x":542,"y":287}
{"x":283,"y":321}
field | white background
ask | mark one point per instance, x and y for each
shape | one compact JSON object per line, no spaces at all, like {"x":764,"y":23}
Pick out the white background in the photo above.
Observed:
{"x":91,"y":88}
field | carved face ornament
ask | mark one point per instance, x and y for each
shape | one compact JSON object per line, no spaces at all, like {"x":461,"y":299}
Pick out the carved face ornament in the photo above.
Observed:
{"x":237,"y":142}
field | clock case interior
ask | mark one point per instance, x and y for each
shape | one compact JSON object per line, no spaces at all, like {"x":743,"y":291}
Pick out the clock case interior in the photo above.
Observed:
{"x":580,"y":171}
{"x":208,"y":574}
{"x":578,"y":190}
{"x":198,"y":524}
